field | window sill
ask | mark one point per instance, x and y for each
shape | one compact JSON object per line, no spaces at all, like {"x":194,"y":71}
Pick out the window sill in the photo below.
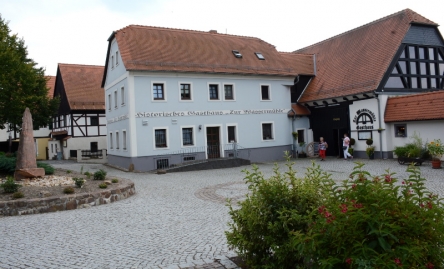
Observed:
{"x":267,"y":140}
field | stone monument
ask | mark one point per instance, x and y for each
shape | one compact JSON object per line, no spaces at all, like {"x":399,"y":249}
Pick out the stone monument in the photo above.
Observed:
{"x":26,"y":166}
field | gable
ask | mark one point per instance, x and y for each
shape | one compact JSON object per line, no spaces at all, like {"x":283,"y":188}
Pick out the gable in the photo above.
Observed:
{"x":423,"y":35}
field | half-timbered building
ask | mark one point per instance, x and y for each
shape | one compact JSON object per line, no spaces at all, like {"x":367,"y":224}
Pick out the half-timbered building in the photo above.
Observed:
{"x":80,"y":120}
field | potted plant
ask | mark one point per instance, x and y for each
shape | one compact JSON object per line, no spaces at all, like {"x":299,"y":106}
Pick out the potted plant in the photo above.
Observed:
{"x":352,"y":143}
{"x":436,"y":150}
{"x":302,"y":154}
{"x":295,"y":135}
{"x":370,"y":149}
{"x":413,"y":152}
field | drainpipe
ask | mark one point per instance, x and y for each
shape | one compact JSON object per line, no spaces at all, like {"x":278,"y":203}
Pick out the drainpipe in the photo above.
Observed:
{"x":296,"y":81}
{"x":379,"y":118}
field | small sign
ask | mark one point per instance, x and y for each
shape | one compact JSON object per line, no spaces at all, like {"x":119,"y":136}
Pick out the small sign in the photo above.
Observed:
{"x":336,"y":119}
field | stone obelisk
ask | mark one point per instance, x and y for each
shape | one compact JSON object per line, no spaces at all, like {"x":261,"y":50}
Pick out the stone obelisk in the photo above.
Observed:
{"x":26,"y":166}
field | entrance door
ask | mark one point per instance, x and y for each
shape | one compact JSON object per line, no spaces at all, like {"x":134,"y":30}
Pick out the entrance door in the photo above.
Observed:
{"x":213,"y":142}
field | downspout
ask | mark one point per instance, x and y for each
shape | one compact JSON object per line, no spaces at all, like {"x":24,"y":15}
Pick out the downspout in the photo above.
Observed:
{"x":296,"y":80}
{"x":379,"y":129}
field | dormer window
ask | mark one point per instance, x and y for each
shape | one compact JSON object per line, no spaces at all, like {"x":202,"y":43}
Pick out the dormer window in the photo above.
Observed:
{"x":259,"y":56}
{"x":237,"y":54}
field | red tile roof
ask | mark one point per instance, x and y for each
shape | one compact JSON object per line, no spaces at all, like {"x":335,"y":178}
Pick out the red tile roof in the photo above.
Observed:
{"x":50,"y":84}
{"x":355,"y":61}
{"x":424,"y":106}
{"x":83,"y":86}
{"x":299,"y":110}
{"x":163,"y":49}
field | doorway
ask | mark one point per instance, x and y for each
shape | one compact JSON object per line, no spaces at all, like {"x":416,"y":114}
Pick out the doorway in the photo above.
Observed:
{"x":213,"y":142}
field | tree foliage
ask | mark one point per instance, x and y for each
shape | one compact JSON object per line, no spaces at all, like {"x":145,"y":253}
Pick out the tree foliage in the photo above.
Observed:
{"x":22,"y":83}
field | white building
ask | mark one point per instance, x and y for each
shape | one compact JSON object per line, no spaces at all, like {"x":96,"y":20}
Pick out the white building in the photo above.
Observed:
{"x":176,"y":95}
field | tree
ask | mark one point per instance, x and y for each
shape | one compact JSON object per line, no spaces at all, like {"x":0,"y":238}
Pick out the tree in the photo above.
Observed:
{"x":22,"y":84}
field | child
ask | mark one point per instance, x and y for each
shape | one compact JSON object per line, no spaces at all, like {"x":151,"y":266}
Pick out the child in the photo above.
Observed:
{"x":322,"y":148}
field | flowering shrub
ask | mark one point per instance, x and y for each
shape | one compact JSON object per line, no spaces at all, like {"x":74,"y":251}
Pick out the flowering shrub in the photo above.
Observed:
{"x":436,"y":149}
{"x":313,"y":222}
{"x":263,"y":226}
{"x":373,"y":222}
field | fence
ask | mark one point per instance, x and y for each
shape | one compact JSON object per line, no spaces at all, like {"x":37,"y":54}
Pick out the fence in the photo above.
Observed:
{"x":199,"y":154}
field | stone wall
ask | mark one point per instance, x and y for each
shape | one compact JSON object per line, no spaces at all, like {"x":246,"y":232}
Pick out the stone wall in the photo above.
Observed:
{"x":66,"y":202}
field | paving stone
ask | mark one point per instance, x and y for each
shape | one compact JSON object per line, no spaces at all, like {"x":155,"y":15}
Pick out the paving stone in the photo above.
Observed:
{"x":176,"y":220}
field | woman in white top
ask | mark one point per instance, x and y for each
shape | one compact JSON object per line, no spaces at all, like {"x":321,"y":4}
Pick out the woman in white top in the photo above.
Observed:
{"x":345,"y":145}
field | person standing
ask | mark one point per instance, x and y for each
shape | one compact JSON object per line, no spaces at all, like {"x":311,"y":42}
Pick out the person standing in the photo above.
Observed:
{"x":322,"y":148}
{"x":345,"y":145}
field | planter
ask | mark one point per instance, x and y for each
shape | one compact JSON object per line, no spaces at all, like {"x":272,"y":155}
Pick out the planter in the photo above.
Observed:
{"x":371,"y":156}
{"x":406,"y":160}
{"x":436,"y":164}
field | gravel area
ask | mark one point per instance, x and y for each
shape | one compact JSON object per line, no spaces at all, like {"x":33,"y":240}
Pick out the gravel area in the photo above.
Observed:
{"x":175,"y":220}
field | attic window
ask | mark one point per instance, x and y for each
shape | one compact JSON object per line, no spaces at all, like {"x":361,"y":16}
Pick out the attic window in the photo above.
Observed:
{"x":259,"y":56}
{"x":237,"y":54}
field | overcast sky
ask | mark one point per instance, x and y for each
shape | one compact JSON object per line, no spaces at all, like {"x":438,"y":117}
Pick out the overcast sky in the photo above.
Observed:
{"x":76,"y":31}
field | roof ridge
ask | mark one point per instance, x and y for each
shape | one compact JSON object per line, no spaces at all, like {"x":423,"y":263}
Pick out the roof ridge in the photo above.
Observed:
{"x":293,"y":53}
{"x":89,"y":65}
{"x":407,"y":11}
{"x":190,"y":31}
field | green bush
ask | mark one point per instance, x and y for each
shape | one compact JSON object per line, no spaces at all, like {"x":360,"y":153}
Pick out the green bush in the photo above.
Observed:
{"x":17,"y":195}
{"x":49,"y":169}
{"x":364,"y":222}
{"x":7,"y":164}
{"x":263,"y":227}
{"x":103,"y":185}
{"x":414,"y":149}
{"x":79,"y":182}
{"x":371,"y":222}
{"x":68,"y":171}
{"x":87,"y":174}
{"x":68,"y":190}
{"x":100,"y":175}
{"x":9,"y":186}
{"x":114,"y":180}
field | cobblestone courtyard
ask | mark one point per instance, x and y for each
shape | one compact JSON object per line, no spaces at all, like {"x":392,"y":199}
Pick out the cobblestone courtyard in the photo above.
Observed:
{"x":176,"y":220}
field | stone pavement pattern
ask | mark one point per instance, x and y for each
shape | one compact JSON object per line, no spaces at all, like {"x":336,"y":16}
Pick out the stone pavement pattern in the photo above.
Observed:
{"x":176,"y":220}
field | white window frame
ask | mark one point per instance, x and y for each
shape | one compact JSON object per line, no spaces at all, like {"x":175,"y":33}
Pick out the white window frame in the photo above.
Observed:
{"x":218,"y":92}
{"x":124,"y":140}
{"x":115,"y":99}
{"x":110,"y":102}
{"x":122,"y":95}
{"x":273,"y":133}
{"x":164,"y":91}
{"x":236,"y":133}
{"x":117,"y":140}
{"x":117,"y":58}
{"x":234,"y":91}
{"x":167,"y":137}
{"x":181,"y":136}
{"x":110,"y":139}
{"x":191,"y":92}
{"x":269,"y":93}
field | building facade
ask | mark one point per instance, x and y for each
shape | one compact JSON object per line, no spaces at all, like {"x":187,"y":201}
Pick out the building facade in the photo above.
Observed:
{"x":199,"y":96}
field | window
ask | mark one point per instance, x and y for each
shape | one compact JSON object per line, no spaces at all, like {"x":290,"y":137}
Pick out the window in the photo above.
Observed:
{"x":122,"y":95}
{"x":109,"y":101}
{"x":117,"y":140}
{"x":94,"y":121}
{"x":160,"y":138}
{"x":187,"y":137}
{"x":162,"y":163}
{"x":231,"y":134}
{"x":117,"y":58}
{"x":94,"y":147}
{"x":158,"y":92}
{"x":301,"y":136}
{"x":237,"y":54}
{"x":115,"y":99}
{"x":265,"y":92}
{"x":228,"y":89}
{"x":214,"y":92}
{"x":267,"y":131}
{"x":110,"y":140}
{"x":259,"y":56}
{"x":65,"y":120}
{"x":112,"y":62}
{"x":400,"y":130}
{"x":124,"y":140}
{"x":185,"y":91}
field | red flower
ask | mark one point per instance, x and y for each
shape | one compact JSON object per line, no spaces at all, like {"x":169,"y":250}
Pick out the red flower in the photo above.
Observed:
{"x":430,"y":265}
{"x":358,"y":205}
{"x":388,"y":179}
{"x":343,"y":208}
{"x":321,"y":209}
{"x":429,"y":205}
{"x":403,"y":182}
{"x":348,"y":260}
{"x":398,"y":261}
{"x":354,"y":186}
{"x":421,"y":205}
